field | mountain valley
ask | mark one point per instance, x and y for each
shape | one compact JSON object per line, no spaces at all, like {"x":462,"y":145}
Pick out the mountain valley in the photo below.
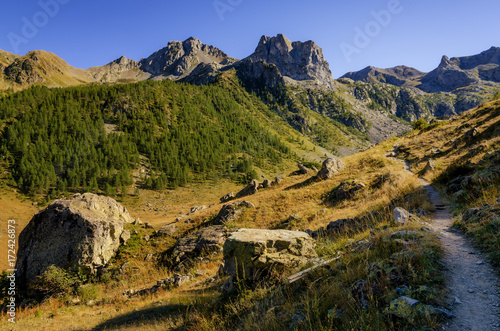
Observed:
{"x":190,"y":190}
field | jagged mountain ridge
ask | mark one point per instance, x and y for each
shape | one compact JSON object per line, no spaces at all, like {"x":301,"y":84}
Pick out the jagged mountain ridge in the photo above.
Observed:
{"x":459,"y":72}
{"x":185,"y":61}
{"x":451,"y":74}
{"x":297,"y":60}
{"x":398,"y":76}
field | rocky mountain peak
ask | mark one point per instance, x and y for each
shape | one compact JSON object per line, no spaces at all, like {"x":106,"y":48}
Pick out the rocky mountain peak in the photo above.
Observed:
{"x":179,"y":59}
{"x":297,"y":60}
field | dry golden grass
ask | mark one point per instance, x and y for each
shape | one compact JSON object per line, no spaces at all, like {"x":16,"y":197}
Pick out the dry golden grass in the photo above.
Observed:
{"x":273,"y":206}
{"x":13,"y":206}
{"x":449,"y":138}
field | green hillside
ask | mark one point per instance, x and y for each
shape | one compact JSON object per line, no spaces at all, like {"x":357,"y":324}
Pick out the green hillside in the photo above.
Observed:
{"x":92,"y":137}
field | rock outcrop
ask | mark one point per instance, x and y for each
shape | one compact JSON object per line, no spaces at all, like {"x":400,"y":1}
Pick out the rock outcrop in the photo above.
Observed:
{"x":331,"y":167}
{"x":250,"y":189}
{"x":228,"y":197}
{"x":230,"y":212}
{"x":205,"y":240}
{"x":302,"y":168}
{"x":346,"y":190}
{"x":179,"y":59}
{"x":401,"y":215}
{"x":253,"y":255}
{"x":300,"y":61}
{"x":459,"y":72}
{"x":82,"y":231}
{"x":121,"y":69}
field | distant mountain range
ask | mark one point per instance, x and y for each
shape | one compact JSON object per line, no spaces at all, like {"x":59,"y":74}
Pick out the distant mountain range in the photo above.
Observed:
{"x":450,"y":75}
{"x":293,"y":78}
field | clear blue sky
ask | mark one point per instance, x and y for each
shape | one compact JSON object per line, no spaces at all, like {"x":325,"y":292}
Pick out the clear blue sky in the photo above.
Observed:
{"x":418,"y":32}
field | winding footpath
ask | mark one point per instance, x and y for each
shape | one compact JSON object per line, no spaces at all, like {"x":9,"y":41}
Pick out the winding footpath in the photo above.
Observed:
{"x":473,"y":287}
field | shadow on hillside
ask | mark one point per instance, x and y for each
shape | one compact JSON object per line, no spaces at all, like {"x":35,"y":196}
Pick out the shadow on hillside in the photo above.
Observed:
{"x":154,"y":316}
{"x":305,"y":183}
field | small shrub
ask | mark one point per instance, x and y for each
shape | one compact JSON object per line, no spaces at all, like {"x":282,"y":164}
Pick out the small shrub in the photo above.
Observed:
{"x":496,"y":96}
{"x":88,"y":292}
{"x":56,"y":281}
{"x":420,"y":124}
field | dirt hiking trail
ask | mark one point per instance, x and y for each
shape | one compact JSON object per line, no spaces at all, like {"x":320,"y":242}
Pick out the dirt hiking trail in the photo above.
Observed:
{"x":473,"y":287}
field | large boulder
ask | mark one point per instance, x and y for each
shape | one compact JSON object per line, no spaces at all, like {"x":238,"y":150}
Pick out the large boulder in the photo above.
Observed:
{"x":255,"y":254}
{"x":250,"y":189}
{"x":80,"y":232}
{"x":231,"y":211}
{"x":331,"y":167}
{"x":205,"y":240}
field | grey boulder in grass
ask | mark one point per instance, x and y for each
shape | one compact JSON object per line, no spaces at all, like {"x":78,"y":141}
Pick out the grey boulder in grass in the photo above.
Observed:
{"x":80,"y":232}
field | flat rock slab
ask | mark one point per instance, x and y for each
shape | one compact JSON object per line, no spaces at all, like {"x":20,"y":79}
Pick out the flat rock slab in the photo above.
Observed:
{"x":252,"y":253}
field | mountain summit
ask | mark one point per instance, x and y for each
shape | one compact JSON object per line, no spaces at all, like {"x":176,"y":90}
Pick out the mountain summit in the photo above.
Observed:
{"x":179,"y":59}
{"x":459,"y":72}
{"x":297,"y":60}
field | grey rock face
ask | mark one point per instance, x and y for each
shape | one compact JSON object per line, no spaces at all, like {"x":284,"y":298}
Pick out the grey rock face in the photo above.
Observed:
{"x":121,"y":68}
{"x":331,"y":167}
{"x":82,"y":231}
{"x":230,"y":212}
{"x":459,"y":72}
{"x":179,"y":59}
{"x":254,"y":254}
{"x":398,"y":76}
{"x":297,"y":60}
